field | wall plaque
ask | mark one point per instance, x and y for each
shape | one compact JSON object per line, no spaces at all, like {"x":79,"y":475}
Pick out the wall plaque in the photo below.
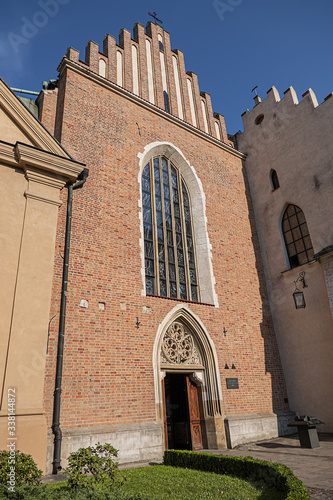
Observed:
{"x":232,"y":383}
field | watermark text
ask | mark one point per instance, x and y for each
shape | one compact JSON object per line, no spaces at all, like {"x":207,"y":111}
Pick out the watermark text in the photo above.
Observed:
{"x":31,"y":26}
{"x":11,"y":481}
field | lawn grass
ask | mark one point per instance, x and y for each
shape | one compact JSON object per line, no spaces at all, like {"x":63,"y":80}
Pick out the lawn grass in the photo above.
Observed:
{"x":158,"y":482}
{"x":161,"y":482}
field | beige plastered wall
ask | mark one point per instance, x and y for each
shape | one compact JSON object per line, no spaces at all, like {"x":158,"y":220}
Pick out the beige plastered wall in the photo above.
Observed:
{"x":294,"y":139}
{"x":33,"y":169}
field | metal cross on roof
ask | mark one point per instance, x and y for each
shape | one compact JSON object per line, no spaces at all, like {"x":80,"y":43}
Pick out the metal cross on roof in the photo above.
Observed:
{"x":154,"y":16}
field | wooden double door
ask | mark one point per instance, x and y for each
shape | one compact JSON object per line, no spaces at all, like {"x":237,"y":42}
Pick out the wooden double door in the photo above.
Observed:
{"x":182,"y":413}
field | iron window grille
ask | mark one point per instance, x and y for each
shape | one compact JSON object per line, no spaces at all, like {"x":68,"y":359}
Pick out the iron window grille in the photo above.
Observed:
{"x":296,"y":236}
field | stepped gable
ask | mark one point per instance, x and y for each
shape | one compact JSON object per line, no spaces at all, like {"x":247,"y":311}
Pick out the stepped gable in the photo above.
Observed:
{"x":146,"y":66}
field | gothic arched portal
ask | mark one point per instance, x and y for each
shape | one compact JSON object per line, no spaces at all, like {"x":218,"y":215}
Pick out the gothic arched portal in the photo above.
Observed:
{"x":184,"y":356}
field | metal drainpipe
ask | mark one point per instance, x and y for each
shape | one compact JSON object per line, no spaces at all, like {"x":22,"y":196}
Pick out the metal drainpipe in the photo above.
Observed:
{"x":22,"y":91}
{"x":61,"y":336}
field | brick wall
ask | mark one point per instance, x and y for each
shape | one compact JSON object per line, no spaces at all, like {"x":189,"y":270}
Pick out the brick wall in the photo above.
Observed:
{"x":47,"y":103}
{"x":108,"y":372}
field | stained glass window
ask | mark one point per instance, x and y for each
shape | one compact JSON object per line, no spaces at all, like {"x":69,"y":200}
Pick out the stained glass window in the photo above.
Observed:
{"x":296,"y":236}
{"x":170,"y":261}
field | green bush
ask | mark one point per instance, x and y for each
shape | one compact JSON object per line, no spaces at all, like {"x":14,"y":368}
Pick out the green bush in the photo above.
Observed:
{"x":17,"y":468}
{"x":92,"y":466}
{"x":276,"y":475}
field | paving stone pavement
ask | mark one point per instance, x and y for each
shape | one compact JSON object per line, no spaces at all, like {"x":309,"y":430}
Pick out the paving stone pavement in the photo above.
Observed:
{"x":313,"y":466}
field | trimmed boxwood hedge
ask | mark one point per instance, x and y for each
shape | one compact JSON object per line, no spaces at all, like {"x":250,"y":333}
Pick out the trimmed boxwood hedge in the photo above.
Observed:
{"x":276,"y":475}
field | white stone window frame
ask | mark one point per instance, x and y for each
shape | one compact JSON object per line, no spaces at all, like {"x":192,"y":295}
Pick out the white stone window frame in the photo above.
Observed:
{"x":135,"y":69}
{"x":150,"y":72}
{"x":102,"y":67}
{"x":198,"y":205}
{"x":120,"y":68}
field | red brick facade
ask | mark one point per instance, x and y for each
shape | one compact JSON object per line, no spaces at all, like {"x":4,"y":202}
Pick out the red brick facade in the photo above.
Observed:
{"x":108,"y":374}
{"x":47,"y":104}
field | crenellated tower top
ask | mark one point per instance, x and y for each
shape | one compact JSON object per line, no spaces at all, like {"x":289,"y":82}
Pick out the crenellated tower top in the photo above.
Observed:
{"x":273,"y":112}
{"x":147,"y":66}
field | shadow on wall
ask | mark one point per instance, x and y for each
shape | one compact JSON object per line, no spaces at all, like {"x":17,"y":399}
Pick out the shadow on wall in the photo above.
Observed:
{"x":272,"y":357}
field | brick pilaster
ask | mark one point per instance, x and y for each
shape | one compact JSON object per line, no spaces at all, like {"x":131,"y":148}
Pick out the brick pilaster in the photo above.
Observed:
{"x":223,"y":128}
{"x":170,"y":75}
{"x":140,"y":38}
{"x":47,"y":105}
{"x":210,"y":114}
{"x":92,"y":56}
{"x":152,"y":31}
{"x":110,"y":51}
{"x":183,"y":86}
{"x":73,"y":54}
{"x":197,"y":100}
{"x":125,"y":43}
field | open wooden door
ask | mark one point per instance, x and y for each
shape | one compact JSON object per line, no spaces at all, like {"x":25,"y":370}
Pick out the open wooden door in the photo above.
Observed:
{"x":194,"y":414}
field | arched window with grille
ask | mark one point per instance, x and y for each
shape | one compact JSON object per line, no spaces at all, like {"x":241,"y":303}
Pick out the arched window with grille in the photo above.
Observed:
{"x":170,"y":260}
{"x":296,"y":236}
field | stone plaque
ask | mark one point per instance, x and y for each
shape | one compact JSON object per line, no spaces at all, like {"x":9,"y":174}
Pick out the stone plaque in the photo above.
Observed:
{"x":232,"y":383}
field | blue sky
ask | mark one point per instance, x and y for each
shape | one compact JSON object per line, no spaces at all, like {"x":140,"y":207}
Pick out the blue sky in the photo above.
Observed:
{"x":232,"y":45}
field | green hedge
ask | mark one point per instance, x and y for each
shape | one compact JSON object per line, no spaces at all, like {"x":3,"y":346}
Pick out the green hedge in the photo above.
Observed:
{"x":275,"y":474}
{"x":54,"y":492}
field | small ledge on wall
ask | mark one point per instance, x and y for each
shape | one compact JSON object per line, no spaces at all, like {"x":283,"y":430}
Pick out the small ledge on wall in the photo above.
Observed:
{"x":180,"y":300}
{"x":298,"y":269}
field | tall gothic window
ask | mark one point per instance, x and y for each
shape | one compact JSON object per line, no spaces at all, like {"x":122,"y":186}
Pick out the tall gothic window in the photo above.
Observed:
{"x":296,"y":236}
{"x":170,"y":261}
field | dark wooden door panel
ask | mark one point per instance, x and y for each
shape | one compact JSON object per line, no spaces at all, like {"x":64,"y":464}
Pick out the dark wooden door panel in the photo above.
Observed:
{"x":194,"y":414}
{"x":196,"y":436}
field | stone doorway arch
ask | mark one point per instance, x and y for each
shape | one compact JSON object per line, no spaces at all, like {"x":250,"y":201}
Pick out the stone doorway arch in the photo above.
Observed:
{"x":183,"y":345}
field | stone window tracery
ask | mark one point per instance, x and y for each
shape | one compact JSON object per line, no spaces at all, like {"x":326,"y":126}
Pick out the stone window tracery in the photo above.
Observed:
{"x":178,"y":346}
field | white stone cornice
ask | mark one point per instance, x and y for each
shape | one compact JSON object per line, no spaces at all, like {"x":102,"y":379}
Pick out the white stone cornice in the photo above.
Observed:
{"x":7,"y":153}
{"x":43,"y":177}
{"x":28,"y":156}
{"x":34,"y":196}
{"x":41,"y":166}
{"x":23,"y":412}
{"x":86,"y":71}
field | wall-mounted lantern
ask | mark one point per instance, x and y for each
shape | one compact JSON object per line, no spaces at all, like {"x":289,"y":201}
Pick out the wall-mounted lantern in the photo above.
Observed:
{"x":298,"y":295}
